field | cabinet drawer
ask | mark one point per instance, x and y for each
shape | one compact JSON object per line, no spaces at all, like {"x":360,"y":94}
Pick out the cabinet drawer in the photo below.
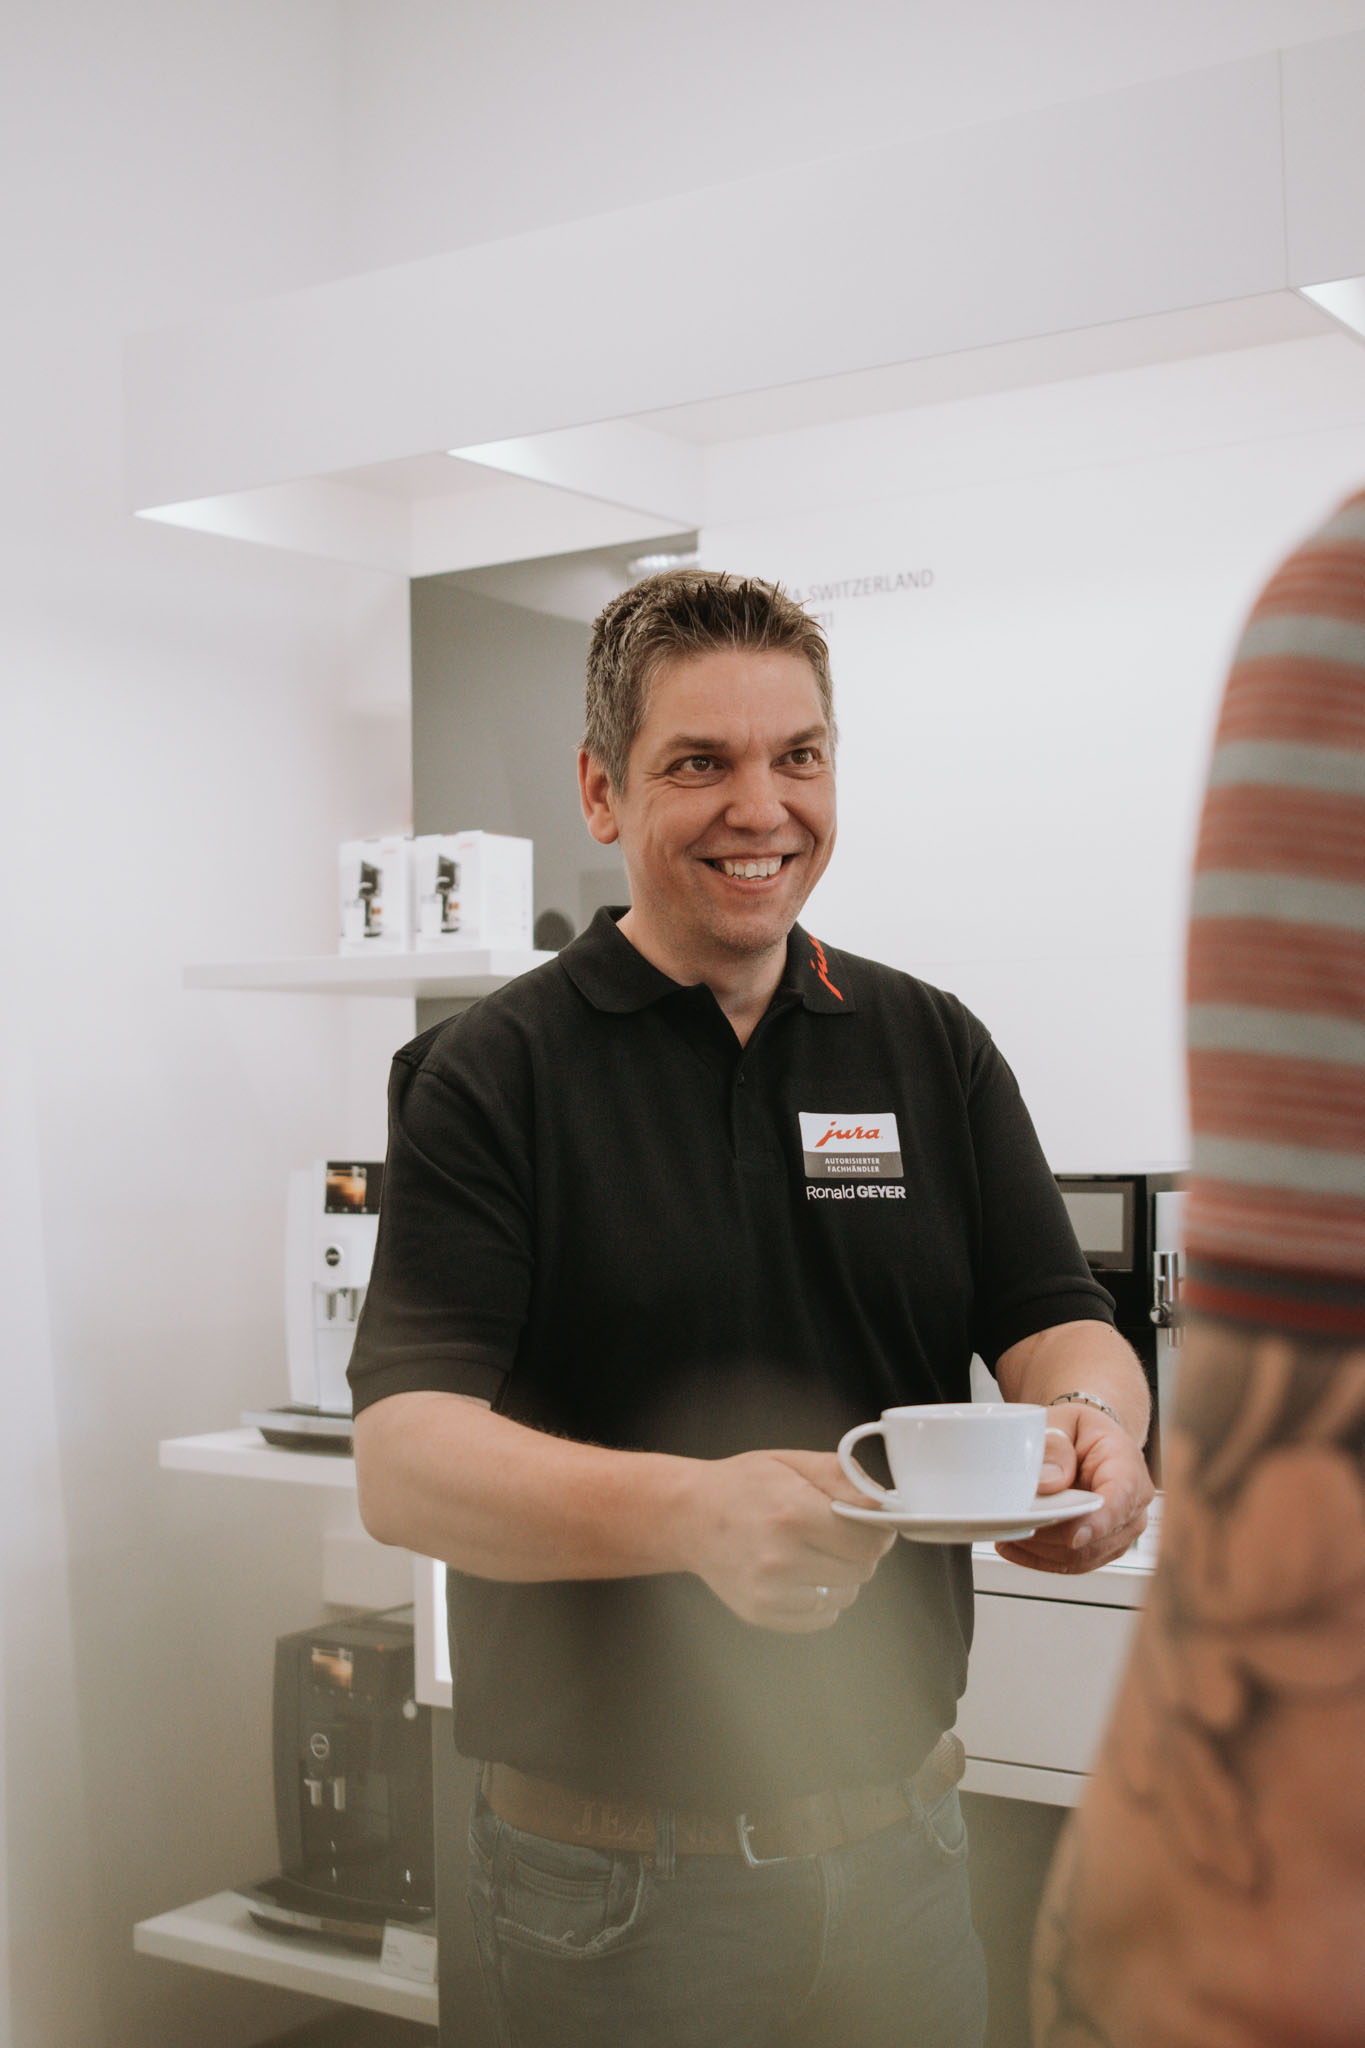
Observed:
{"x":1042,"y":1678}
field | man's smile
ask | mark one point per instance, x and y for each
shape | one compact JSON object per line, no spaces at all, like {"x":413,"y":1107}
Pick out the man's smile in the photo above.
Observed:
{"x":749,"y":867}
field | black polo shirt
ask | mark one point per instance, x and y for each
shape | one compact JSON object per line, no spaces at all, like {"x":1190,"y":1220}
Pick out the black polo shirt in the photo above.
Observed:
{"x":613,"y":1221}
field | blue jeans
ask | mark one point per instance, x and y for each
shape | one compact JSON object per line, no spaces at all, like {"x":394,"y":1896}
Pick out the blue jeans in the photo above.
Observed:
{"x":870,"y":1946}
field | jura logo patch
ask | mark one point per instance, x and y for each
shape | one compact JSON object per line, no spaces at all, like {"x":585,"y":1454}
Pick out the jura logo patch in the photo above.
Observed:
{"x":850,"y":1145}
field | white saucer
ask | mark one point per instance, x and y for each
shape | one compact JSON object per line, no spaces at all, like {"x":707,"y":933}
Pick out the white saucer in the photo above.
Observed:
{"x":1047,"y":1509}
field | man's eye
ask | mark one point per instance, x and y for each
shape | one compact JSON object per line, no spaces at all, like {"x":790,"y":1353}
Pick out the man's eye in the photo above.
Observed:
{"x":803,"y":757}
{"x":697,"y":764}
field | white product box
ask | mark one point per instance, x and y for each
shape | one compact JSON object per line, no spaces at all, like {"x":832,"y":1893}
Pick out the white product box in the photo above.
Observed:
{"x":473,"y":889}
{"x":377,"y":895}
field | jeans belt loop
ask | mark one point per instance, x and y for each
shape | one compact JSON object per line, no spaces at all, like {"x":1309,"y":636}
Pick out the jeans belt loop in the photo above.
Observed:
{"x":745,"y":1829}
{"x":665,"y":1843}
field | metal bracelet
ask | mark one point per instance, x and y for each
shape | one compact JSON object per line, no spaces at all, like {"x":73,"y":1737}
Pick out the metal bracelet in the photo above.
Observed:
{"x":1091,"y":1401}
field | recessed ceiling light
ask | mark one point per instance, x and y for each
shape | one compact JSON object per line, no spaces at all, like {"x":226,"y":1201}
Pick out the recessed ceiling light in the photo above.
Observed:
{"x":656,"y":565}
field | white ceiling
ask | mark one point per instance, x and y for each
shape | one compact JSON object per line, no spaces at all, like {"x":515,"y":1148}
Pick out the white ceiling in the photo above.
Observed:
{"x":1043,"y":359}
{"x":882,"y":71}
{"x":471,"y":123}
{"x":416,"y":477}
{"x":1046,"y":359}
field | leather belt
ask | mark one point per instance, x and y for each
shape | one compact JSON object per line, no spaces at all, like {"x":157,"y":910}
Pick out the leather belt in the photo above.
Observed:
{"x":806,"y":1826}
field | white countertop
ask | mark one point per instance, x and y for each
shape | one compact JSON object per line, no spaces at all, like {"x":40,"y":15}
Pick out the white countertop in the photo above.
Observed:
{"x":1121,"y":1584}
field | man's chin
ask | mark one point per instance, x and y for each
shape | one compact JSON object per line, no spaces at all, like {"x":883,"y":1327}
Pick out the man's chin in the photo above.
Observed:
{"x":749,"y":937}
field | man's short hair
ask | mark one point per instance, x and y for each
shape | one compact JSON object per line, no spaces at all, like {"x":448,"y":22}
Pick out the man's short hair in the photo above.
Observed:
{"x":671,"y":617}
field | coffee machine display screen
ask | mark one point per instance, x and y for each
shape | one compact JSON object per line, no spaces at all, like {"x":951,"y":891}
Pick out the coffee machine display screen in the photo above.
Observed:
{"x":352,"y":1189}
{"x":1098,"y":1221}
{"x":332,"y":1667}
{"x":1102,"y":1218}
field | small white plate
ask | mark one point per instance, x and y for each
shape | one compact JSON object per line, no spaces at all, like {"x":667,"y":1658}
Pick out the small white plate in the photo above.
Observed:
{"x":1047,"y":1509}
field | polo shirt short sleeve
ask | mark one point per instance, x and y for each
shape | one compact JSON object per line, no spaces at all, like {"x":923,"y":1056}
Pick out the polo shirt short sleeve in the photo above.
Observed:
{"x":608,"y":1218}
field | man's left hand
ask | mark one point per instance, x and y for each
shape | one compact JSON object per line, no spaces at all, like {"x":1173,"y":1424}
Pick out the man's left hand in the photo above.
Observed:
{"x":1086,"y":1449}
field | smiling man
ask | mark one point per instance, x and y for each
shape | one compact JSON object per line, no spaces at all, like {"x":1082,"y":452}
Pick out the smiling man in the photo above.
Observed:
{"x":725,"y":814}
{"x":629,"y":1291}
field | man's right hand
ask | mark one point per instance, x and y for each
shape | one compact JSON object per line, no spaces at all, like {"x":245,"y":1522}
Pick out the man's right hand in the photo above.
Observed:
{"x":761,"y":1533}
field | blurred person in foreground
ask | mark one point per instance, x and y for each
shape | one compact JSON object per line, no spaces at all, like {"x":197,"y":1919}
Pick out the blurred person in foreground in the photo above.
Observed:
{"x":1211,"y":1891}
{"x":619,"y":1317}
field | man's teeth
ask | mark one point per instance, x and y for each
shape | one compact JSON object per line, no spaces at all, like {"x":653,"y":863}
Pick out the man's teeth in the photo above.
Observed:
{"x":750,"y":870}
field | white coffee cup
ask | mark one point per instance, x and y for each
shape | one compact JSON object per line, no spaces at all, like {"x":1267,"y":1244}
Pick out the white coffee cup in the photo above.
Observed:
{"x":955,"y":1457}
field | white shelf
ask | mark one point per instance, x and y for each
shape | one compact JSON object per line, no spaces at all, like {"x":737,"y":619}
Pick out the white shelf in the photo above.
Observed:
{"x":244,"y":1454}
{"x":219,"y":1934}
{"x":451,"y":975}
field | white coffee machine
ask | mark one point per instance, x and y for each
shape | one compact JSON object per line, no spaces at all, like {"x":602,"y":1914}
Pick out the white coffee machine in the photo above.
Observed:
{"x":331,"y":1222}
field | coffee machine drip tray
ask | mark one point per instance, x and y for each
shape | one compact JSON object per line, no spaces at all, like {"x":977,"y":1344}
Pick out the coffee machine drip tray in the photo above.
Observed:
{"x":297,"y":1427}
{"x":284,"y":1906}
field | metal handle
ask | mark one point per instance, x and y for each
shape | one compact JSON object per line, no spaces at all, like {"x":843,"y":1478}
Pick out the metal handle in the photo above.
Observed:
{"x":1165,"y":1309}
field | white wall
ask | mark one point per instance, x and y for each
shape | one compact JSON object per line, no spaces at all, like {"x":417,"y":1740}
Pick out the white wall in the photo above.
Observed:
{"x":1025,"y":722}
{"x":186,"y":729}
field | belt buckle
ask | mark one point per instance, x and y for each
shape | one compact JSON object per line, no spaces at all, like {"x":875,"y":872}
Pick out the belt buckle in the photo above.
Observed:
{"x":745,"y":1828}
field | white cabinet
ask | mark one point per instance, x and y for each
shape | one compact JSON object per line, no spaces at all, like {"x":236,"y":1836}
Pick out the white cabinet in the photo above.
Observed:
{"x":1046,"y":1660}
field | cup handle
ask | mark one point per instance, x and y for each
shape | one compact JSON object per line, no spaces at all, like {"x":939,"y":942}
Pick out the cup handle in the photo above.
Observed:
{"x":852,"y":1468}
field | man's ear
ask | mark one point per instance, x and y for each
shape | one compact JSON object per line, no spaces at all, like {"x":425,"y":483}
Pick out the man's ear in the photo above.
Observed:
{"x":595,"y":794}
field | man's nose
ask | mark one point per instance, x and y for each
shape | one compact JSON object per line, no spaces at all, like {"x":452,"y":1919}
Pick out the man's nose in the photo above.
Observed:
{"x":755,"y":803}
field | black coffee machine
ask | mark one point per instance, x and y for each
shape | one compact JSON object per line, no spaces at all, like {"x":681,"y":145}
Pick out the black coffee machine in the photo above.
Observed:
{"x":1130,"y":1229}
{"x":353,"y":1794}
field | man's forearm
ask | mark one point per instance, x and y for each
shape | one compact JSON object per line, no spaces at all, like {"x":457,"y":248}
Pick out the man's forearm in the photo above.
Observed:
{"x":446,"y":1477}
{"x":1082,"y":1357}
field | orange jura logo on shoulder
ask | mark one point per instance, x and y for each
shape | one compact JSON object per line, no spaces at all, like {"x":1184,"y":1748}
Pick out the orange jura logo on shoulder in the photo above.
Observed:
{"x":841,"y":1144}
{"x":821,"y":966}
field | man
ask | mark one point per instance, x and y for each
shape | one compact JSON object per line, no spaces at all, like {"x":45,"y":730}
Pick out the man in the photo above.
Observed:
{"x":716,"y":1808}
{"x":1212,"y":1892}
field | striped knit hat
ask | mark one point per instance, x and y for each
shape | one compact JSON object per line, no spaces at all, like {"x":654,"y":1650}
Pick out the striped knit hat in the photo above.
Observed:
{"x":1276,"y":1217}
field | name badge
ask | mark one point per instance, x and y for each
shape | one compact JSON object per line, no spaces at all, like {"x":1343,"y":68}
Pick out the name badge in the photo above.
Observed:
{"x":850,"y":1145}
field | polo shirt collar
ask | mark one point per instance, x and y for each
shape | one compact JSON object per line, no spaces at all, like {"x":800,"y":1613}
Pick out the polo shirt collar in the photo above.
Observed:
{"x":606,"y":968}
{"x":818,"y":974}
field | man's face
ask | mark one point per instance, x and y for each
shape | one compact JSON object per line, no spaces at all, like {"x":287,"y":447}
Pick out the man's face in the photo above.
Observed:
{"x":727,"y":819}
